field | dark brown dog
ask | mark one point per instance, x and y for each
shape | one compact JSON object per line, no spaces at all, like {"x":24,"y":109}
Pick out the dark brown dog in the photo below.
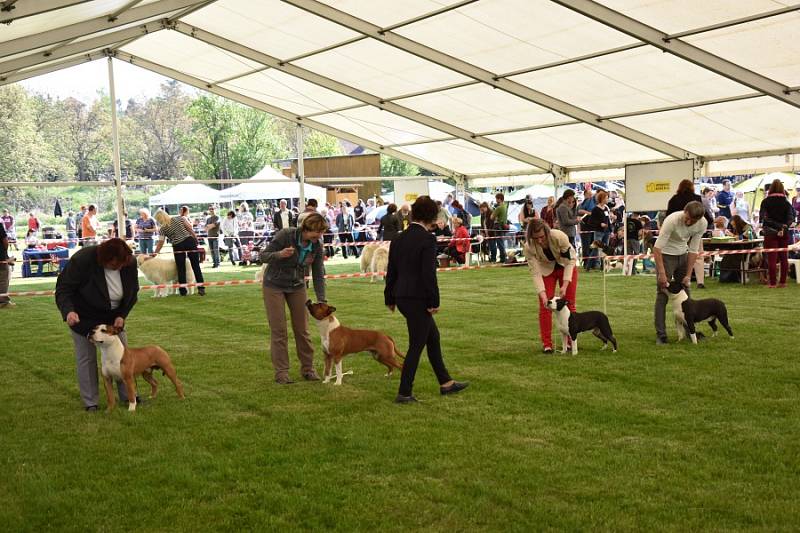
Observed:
{"x":338,"y":341}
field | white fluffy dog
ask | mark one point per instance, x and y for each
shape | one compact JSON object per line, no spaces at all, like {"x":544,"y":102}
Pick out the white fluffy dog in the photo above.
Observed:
{"x":366,"y":255}
{"x":380,"y":260}
{"x":162,"y":271}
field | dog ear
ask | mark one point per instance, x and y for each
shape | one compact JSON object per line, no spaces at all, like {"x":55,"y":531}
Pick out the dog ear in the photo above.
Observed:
{"x":331,"y":309}
{"x":308,"y":302}
{"x":560,"y":303}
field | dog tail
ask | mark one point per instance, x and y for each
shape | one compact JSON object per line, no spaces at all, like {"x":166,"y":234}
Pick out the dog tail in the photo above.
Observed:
{"x":396,"y":351}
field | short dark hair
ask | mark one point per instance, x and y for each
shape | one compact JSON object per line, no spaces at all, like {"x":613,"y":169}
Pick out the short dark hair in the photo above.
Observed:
{"x":391,"y":209}
{"x":500,"y":196}
{"x":312,"y":202}
{"x":424,"y":210}
{"x":113,"y":251}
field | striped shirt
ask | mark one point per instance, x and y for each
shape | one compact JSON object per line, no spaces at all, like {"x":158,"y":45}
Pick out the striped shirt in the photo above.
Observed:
{"x":175,"y":231}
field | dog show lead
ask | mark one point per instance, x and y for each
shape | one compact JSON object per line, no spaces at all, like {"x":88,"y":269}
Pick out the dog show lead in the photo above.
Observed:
{"x":287,"y":255}
{"x":99,"y":285}
{"x":412,"y":288}
{"x":184,"y":246}
{"x":551,"y":259}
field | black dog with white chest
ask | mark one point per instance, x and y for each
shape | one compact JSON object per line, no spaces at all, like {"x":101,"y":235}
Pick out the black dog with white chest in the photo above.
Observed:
{"x":689,"y":312}
{"x":570,"y":324}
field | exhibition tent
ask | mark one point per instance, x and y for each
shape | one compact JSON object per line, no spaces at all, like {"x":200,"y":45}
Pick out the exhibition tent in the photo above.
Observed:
{"x":186,"y":193}
{"x":283,"y":188}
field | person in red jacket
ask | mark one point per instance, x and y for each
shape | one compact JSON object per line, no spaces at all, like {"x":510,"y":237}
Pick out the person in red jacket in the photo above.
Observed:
{"x":459,"y":244}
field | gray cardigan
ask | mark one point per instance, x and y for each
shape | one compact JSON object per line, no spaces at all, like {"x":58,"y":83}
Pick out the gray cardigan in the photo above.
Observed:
{"x":567,"y":218}
{"x":284,"y":273}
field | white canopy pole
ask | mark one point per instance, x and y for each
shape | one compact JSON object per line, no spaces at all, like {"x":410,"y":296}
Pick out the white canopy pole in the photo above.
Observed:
{"x":115,"y":136}
{"x":300,"y":171}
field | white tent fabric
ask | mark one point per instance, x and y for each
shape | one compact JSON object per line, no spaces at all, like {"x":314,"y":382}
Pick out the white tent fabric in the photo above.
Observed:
{"x":186,"y":193}
{"x":474,"y":89}
{"x":285,"y":189}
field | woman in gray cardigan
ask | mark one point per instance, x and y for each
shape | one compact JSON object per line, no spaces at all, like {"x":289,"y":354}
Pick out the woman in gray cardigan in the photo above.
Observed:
{"x":287,"y":256}
{"x":567,"y":215}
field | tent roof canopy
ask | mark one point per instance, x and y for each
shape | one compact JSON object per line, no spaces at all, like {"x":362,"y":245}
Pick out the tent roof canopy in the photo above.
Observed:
{"x":470,"y":88}
{"x":186,"y":193}
{"x":282,"y":188}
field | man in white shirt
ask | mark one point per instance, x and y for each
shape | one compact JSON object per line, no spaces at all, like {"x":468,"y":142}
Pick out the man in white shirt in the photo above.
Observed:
{"x":676,"y":247}
{"x":283,"y":217}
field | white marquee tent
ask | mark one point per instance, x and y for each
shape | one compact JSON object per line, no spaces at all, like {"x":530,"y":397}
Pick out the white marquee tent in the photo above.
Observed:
{"x":465,"y":88}
{"x":284,"y":188}
{"x":186,"y":193}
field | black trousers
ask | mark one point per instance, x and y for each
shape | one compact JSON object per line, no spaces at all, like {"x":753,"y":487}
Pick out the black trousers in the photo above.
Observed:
{"x":422,"y":333}
{"x":344,"y":238}
{"x":183,"y":251}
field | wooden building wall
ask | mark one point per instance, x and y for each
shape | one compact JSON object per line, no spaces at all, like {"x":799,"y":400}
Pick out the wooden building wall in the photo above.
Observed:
{"x":347,"y":167}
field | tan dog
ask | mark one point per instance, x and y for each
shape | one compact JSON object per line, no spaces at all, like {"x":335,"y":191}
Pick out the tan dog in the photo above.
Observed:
{"x":162,"y":271}
{"x":380,"y":261}
{"x":366,"y":256}
{"x":338,"y":341}
{"x":123,"y":363}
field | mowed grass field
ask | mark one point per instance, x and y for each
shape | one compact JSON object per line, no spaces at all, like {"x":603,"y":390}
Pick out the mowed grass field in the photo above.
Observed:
{"x":675,"y":437}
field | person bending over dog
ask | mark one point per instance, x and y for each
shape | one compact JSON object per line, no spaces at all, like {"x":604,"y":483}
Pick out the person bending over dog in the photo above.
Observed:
{"x":677,"y":247}
{"x":411,"y":286}
{"x":551,"y":259}
{"x":99,"y":285}
{"x":288,"y":254}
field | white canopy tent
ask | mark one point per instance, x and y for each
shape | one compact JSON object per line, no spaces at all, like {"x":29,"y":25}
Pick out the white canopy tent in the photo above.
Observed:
{"x":186,"y":193}
{"x":283,"y":188}
{"x":468,"y":89}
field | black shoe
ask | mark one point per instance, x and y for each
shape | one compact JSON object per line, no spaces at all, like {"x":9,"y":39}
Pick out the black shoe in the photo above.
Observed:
{"x":201,"y":291}
{"x":405,"y":399}
{"x":284,"y":380}
{"x":91,"y":409}
{"x":661,"y":341}
{"x":547,"y":350}
{"x":457,"y":386}
{"x":701,"y":286}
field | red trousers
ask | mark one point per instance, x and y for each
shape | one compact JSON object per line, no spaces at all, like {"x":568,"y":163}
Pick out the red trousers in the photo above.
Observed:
{"x":773,"y":241}
{"x":545,"y":315}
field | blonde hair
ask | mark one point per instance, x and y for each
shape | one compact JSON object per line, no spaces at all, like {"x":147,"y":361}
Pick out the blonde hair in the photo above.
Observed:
{"x":162,"y":217}
{"x":144,"y":211}
{"x":314,"y":222}
{"x":458,"y":221}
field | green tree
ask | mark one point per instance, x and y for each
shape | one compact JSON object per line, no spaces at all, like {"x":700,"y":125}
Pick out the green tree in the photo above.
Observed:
{"x":396,"y":167}
{"x":211,"y":131}
{"x":86,"y":136}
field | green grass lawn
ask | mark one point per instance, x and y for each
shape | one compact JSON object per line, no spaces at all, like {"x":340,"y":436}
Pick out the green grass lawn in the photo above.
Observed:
{"x":676,"y":437}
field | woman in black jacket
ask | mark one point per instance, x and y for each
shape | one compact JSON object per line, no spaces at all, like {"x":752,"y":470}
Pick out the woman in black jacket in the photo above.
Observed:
{"x":99,"y":285}
{"x":776,"y":215}
{"x":390,"y":225}
{"x":411,"y":286}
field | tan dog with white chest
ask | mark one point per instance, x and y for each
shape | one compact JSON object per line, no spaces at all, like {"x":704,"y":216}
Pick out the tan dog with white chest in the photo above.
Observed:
{"x":123,"y":363}
{"x":338,"y":341}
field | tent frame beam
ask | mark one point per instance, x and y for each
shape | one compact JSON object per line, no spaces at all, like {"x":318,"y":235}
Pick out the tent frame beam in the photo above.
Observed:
{"x":10,"y":12}
{"x":457,"y":65}
{"x":20,"y":76}
{"x":363,"y":96}
{"x":281,"y":113}
{"x":682,"y":49}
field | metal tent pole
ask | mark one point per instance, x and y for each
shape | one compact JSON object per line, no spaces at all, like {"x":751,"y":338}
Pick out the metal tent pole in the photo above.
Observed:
{"x":300,"y":171}
{"x":115,"y":136}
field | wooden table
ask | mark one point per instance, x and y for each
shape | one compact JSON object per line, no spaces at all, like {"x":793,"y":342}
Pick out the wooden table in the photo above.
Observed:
{"x":734,"y":262}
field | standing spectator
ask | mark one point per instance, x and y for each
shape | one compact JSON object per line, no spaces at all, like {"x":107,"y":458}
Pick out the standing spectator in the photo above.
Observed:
{"x":360,"y":213}
{"x":404,"y":216}
{"x":741,"y":207}
{"x":443,"y":215}
{"x":283,"y":218}
{"x":71,"y":229}
{"x":795,"y":204}
{"x":5,"y":270}
{"x":527,"y":213}
{"x":776,"y":215}
{"x":500,"y":225}
{"x":390,"y":225}
{"x":212,"y":230}
{"x":183,"y":211}
{"x":344,"y":224}
{"x":184,"y":246}
{"x":245,"y":218}
{"x":128,"y":227}
{"x":633,"y":234}
{"x":676,"y":249}
{"x":99,"y":285}
{"x":411,"y":286}
{"x":260,"y":210}
{"x":587,"y":233}
{"x":11,"y":229}
{"x":311,"y":207}
{"x":710,"y":205}
{"x":551,"y":259}
{"x":288,"y":255}
{"x":548,"y":213}
{"x":683,"y":196}
{"x":725,"y":200}
{"x":145,"y":231}
{"x":79,"y":223}
{"x":33,"y":223}
{"x":90,"y":226}
{"x":600,"y":224}
{"x":370,"y":206}
{"x":458,"y":211}
{"x":567,"y":215}
{"x":230,"y":231}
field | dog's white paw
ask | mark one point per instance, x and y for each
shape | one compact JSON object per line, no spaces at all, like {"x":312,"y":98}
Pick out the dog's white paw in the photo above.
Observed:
{"x":131,"y":406}
{"x":604,"y":347}
{"x":613,"y":351}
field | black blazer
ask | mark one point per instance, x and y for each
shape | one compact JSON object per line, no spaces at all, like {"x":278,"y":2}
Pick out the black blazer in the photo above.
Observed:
{"x":277,"y":221}
{"x":81,"y":287}
{"x":412,"y":268}
{"x":390,"y":226}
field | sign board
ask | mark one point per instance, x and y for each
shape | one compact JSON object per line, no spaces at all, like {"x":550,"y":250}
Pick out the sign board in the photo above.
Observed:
{"x":649,"y":186}
{"x":406,"y":191}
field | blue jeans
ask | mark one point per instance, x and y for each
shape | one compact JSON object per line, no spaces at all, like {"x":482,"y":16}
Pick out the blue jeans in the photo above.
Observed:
{"x":213,"y":247}
{"x":601,"y":236}
{"x":146,"y":246}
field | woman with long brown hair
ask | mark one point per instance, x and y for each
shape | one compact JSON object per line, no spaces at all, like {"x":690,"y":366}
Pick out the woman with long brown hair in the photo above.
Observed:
{"x":775,"y":215}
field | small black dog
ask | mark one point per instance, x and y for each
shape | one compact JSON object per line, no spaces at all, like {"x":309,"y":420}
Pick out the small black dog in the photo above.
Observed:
{"x":570,"y":324}
{"x":688,"y":312}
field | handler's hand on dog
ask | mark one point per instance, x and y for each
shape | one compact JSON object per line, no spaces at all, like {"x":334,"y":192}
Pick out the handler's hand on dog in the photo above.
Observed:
{"x":391,"y":308}
{"x":72,"y":318}
{"x":662,"y":280}
{"x":286,"y":252}
{"x":433,"y":310}
{"x":686,"y":281}
{"x":119,"y":322}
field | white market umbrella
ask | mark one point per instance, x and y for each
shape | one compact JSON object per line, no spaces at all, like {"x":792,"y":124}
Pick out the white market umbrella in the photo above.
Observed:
{"x":186,"y":193}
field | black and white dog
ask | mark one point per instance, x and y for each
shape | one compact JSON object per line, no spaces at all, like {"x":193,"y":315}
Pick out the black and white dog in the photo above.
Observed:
{"x":570,"y":324}
{"x":689,"y":312}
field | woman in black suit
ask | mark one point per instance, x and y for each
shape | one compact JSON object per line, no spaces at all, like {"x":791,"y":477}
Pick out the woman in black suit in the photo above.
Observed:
{"x":411,"y":287}
{"x":99,"y":285}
